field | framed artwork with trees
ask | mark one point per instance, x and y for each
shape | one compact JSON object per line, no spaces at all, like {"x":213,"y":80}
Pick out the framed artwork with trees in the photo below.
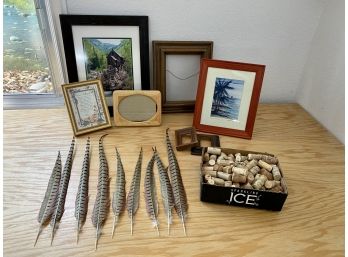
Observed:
{"x":227,"y":97}
{"x":113,"y":49}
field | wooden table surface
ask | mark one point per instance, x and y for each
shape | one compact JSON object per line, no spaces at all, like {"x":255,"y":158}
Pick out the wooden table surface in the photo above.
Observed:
{"x":311,"y":222}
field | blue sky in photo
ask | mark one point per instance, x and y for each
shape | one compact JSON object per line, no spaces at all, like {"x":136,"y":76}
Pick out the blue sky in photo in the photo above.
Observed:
{"x":113,"y":41}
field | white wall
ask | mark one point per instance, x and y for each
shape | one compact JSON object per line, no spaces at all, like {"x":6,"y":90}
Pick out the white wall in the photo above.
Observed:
{"x":271,"y":32}
{"x":321,"y":90}
{"x":299,"y":41}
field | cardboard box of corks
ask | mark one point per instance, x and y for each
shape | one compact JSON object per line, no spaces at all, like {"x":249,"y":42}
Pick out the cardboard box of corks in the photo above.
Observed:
{"x":242,"y":178}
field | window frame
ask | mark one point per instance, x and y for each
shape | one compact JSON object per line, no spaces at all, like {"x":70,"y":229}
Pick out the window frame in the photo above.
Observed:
{"x":55,"y":61}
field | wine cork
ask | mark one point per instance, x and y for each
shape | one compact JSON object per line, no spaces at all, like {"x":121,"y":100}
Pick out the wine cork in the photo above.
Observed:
{"x":269,"y":159}
{"x":240,"y":171}
{"x":212,"y":162}
{"x":227,"y":169}
{"x":212,"y":173}
{"x":276,"y":172}
{"x":206,"y":168}
{"x":277,"y":189}
{"x":219,"y":181}
{"x":247,"y":186}
{"x":239,"y":178}
{"x":251,"y":164}
{"x":207,"y":177}
{"x":214,"y":150}
{"x":213,"y":157}
{"x":252,"y":156}
{"x":235,"y":184}
{"x":211,"y":181}
{"x":240,"y":157}
{"x":271,"y":183}
{"x":231,"y":156}
{"x":224,"y":176}
{"x":223,"y":162}
{"x":228,"y":183}
{"x":254,"y":170}
{"x":264,"y":165}
{"x":222,"y":154}
{"x":206,"y":157}
{"x":250,"y":178}
{"x":266,"y":173}
{"x":220,"y":168}
{"x":216,"y":167}
{"x":259,"y":182}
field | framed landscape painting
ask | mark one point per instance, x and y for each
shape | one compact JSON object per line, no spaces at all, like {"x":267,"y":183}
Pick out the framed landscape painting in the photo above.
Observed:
{"x":227,"y":97}
{"x":113,"y":49}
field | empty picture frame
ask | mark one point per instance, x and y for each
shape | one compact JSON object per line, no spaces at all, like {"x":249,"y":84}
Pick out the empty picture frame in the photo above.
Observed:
{"x":136,"y":108}
{"x":162,"y":50}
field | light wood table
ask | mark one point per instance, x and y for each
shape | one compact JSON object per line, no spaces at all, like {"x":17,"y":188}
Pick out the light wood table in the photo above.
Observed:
{"x":311,"y":222}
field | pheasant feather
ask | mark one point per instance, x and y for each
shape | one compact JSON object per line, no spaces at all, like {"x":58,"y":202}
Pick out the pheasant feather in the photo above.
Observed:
{"x":47,"y":205}
{"x":119,"y":197}
{"x":101,"y":204}
{"x":63,"y":188}
{"x":134,"y":191}
{"x":81,"y":202}
{"x":179,"y":193}
{"x":151,"y":194}
{"x":166,"y":189}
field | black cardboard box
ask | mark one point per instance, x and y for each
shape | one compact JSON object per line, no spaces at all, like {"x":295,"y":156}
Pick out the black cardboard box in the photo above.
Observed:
{"x":243,"y":197}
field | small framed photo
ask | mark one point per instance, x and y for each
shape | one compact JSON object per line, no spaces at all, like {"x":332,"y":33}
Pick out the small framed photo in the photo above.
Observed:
{"x":113,"y":49}
{"x":227,"y":97}
{"x":86,"y":106}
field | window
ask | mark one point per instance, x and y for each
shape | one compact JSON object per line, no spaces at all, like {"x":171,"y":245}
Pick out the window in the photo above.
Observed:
{"x":31,"y":61}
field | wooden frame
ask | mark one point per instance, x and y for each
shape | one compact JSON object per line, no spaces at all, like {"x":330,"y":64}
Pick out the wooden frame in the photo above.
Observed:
{"x":76,"y":28}
{"x":163,"y":48}
{"x":180,"y":133}
{"x":233,"y":112}
{"x":214,"y":142}
{"x":121,"y":121}
{"x":86,"y":106}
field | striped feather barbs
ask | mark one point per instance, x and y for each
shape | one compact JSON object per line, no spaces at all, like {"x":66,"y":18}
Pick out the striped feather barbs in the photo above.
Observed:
{"x":166,"y":189}
{"x":47,"y":205}
{"x":150,"y":193}
{"x":63,"y":188}
{"x":119,"y":196}
{"x":134,"y":191}
{"x":179,"y":193}
{"x":81,"y":202}
{"x":101,"y":204}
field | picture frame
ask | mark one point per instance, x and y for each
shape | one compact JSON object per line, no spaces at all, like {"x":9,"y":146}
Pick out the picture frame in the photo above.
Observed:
{"x":227,"y":97}
{"x":114,"y":49}
{"x":137,"y":108}
{"x":86,"y":105}
{"x":164,"y":49}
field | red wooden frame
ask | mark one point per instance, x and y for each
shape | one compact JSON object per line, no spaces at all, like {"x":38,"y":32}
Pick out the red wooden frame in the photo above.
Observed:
{"x":205,"y":64}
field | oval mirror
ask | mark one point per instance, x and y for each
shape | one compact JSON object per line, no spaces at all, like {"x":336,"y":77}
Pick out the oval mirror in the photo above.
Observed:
{"x":137,"y":108}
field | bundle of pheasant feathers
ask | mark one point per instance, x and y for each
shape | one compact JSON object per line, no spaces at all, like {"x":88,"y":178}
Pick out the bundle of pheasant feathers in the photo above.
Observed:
{"x":171,"y":186}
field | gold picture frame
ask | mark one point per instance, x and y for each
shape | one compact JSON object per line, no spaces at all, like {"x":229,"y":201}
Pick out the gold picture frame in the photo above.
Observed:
{"x":86,"y":105}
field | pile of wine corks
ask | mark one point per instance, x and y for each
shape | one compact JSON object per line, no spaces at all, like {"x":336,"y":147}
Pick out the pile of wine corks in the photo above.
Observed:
{"x":252,"y":171}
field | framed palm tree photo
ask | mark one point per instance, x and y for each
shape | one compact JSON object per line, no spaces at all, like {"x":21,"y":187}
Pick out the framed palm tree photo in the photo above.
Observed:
{"x":227,"y":97}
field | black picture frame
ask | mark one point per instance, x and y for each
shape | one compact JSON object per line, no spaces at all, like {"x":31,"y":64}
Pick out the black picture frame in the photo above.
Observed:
{"x":68,"y":21}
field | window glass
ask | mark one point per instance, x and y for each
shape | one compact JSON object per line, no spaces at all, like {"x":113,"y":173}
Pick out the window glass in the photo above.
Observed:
{"x":24,"y":62}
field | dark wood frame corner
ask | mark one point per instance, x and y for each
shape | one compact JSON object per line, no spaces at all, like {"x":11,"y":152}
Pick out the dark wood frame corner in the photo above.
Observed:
{"x":259,"y":74}
{"x":163,"y":48}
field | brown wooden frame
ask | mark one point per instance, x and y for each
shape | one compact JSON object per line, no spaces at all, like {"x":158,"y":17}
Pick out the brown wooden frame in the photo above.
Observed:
{"x":163,"y":48}
{"x":259,"y":73}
